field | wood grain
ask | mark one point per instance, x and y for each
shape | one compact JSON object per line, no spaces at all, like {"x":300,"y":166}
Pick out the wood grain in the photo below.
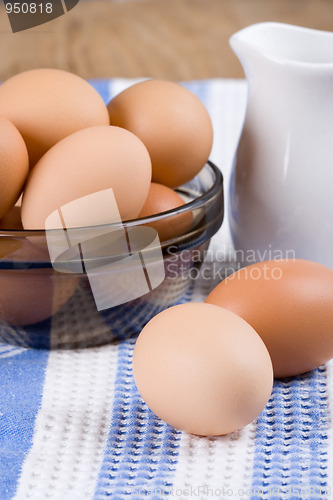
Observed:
{"x":173,"y":39}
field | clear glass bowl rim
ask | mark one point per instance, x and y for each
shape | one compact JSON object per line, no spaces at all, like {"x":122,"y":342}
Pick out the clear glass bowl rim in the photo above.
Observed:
{"x":191,"y":205}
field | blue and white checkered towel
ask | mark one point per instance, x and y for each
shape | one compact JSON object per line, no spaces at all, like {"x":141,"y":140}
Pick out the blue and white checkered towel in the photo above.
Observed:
{"x":73,"y":426}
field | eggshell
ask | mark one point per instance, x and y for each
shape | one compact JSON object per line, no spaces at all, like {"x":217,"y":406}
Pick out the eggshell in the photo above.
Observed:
{"x":161,"y":199}
{"x":9,"y":246}
{"x":202,"y":369}
{"x":12,"y":220}
{"x":46,"y":105}
{"x":29,"y":297}
{"x":290,"y":304}
{"x":83,"y":163}
{"x":173,"y":124}
{"x":21,"y":250}
{"x":14,"y":165}
{"x":34,"y":294}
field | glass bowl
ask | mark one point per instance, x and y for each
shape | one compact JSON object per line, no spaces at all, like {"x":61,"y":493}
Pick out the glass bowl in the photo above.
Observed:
{"x":75,"y":300}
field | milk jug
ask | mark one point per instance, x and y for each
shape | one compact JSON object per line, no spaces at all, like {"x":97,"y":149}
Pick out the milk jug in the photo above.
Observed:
{"x":281,"y":188}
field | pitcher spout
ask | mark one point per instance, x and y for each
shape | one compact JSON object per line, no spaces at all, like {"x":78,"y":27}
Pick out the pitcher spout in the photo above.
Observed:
{"x":284,"y":44}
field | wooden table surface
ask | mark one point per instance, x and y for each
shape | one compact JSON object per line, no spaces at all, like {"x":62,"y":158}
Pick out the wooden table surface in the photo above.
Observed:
{"x":171,"y":39}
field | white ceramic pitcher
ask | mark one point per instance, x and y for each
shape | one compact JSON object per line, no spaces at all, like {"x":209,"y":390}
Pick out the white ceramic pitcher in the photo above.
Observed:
{"x":281,"y":190}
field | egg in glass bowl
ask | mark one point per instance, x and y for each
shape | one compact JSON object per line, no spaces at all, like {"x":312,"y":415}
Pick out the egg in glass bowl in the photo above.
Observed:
{"x":119,"y":204}
{"x":70,"y":301}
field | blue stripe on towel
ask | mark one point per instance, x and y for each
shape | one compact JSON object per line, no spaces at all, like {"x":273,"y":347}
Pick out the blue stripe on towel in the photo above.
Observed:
{"x":198,"y":87}
{"x":142,"y":451}
{"x":290,"y":459}
{"x":21,"y":388}
{"x":103,"y":87}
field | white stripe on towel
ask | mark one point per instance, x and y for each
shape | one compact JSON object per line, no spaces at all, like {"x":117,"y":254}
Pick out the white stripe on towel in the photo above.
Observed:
{"x":72,"y":426}
{"x":215,"y":467}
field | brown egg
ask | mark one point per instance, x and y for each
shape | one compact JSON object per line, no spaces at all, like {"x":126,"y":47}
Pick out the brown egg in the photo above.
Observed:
{"x":30,"y":297}
{"x":161,"y":199}
{"x":46,"y":105}
{"x":19,"y":249}
{"x":88,"y":161}
{"x":9,"y":246}
{"x":12,"y":220}
{"x":14,"y":165}
{"x":290,"y":304}
{"x":202,"y":369}
{"x":173,"y":124}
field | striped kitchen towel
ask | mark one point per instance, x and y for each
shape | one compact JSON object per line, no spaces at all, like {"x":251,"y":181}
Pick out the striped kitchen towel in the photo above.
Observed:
{"x":73,"y":426}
